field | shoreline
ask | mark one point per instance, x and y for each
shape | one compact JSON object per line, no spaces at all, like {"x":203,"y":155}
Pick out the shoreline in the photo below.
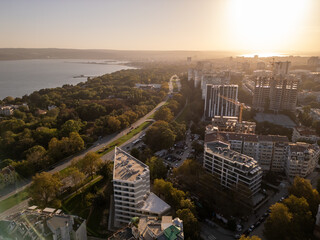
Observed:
{"x":27,"y":82}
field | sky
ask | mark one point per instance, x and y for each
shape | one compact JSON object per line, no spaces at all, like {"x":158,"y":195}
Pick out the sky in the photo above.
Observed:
{"x":218,"y":25}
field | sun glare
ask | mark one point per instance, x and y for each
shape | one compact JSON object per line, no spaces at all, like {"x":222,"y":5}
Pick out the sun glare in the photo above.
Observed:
{"x":266,"y":25}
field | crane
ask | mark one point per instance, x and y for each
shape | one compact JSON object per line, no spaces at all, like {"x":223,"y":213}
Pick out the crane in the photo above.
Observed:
{"x":241,"y":105}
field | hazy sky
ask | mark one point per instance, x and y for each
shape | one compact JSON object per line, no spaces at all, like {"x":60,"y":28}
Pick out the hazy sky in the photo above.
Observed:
{"x":241,"y":25}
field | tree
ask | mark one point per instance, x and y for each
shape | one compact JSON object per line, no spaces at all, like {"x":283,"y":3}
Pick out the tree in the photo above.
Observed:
{"x":113,"y":124}
{"x":277,"y":225}
{"x":190,"y":223}
{"x":243,"y":237}
{"x":172,"y":195}
{"x":135,"y":153}
{"x":302,"y":223}
{"x":105,"y":170}
{"x":44,"y":189}
{"x":159,"y":136}
{"x":302,"y":188}
{"x":70,"y":126}
{"x":90,"y":163}
{"x":179,"y":129}
{"x":37,"y":157}
{"x":164,"y":114}
{"x":76,"y":176}
{"x":157,"y":168}
{"x":198,"y":148}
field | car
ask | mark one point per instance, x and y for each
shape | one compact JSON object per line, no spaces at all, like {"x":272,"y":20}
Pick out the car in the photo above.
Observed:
{"x":257,"y":224}
{"x":237,"y":236}
{"x":176,"y":165}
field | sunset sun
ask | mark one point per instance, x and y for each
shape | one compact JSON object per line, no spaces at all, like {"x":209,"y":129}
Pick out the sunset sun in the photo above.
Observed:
{"x":268,"y":25}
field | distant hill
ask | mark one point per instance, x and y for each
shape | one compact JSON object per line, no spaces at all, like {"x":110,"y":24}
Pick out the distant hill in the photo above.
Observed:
{"x":55,"y":53}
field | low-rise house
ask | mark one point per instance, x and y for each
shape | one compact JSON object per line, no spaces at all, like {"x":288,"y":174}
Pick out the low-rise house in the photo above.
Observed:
{"x":148,"y":228}
{"x":49,"y":223}
{"x":304,"y":134}
{"x":302,"y":159}
{"x":6,"y":110}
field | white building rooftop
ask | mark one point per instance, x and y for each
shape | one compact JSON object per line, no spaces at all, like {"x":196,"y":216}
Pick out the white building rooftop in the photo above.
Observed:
{"x":126,"y":167}
{"x":154,"y":204}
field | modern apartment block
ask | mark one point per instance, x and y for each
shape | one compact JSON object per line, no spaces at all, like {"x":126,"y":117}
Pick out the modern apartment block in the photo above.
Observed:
{"x":233,"y":168}
{"x":275,"y":93}
{"x":49,"y":223}
{"x":220,"y":101}
{"x":269,"y":151}
{"x":131,"y":185}
{"x":302,"y":159}
{"x":230,"y":124}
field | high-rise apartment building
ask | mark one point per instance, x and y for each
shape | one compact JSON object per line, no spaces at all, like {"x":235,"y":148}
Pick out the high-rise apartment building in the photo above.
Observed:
{"x":233,"y":168}
{"x":221,"y":101}
{"x":131,"y":185}
{"x":275,"y":93}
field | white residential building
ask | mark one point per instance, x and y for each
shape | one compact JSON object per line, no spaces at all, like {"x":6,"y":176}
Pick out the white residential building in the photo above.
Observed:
{"x":220,"y":100}
{"x":131,"y":185}
{"x":233,"y":168}
{"x":269,"y":150}
{"x":302,"y":159}
{"x":6,"y":110}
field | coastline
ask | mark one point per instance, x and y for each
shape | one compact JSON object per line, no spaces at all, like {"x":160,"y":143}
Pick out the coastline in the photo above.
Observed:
{"x":25,"y":76}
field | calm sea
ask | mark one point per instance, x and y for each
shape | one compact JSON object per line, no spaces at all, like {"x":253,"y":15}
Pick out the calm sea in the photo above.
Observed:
{"x":21,"y":77}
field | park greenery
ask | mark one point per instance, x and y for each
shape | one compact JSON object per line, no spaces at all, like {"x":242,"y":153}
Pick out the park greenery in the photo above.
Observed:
{"x":294,"y":218}
{"x":184,"y":207}
{"x":83,"y":189}
{"x":32,"y":140}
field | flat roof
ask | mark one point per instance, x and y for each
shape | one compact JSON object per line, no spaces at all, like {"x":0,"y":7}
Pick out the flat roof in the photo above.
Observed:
{"x":127,"y":167}
{"x":48,"y":210}
{"x":154,"y":204}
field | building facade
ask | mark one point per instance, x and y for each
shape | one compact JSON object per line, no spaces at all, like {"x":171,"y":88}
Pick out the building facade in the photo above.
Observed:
{"x":269,"y":151}
{"x":275,"y":93}
{"x":302,"y":159}
{"x":37,"y":224}
{"x":220,"y":101}
{"x":131,"y":185}
{"x":230,"y":124}
{"x":233,"y":168}
{"x":304,"y":134}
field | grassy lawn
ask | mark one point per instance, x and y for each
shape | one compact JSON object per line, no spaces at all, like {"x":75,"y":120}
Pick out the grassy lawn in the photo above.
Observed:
{"x":13,"y":200}
{"x":125,"y":138}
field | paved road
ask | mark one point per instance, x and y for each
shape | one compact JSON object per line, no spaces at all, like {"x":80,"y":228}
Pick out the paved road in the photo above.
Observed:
{"x":96,"y":146}
{"x":215,"y":233}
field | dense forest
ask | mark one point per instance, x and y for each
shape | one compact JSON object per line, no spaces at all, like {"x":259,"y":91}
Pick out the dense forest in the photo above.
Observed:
{"x":34,"y":139}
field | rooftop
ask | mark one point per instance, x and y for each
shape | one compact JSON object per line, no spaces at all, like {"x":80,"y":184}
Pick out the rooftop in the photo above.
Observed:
{"x":239,"y":159}
{"x":154,"y":204}
{"x":126,"y":167}
{"x":227,"y":136}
